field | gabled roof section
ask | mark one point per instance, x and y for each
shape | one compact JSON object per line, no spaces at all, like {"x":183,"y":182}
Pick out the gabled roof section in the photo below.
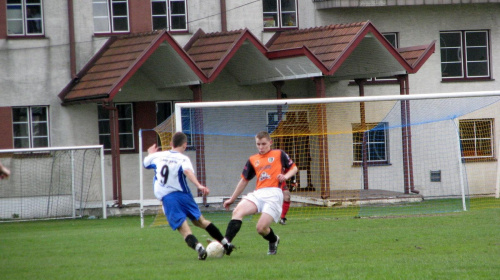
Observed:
{"x":326,"y":43}
{"x":117,"y":61}
{"x":330,"y":46}
{"x":212,"y":51}
{"x":417,"y":55}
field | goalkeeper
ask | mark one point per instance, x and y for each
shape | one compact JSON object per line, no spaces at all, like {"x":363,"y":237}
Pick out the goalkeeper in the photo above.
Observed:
{"x":267,"y":166}
{"x":170,"y":186}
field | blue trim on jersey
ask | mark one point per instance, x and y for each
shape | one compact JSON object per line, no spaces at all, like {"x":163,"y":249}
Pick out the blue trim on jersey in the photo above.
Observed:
{"x":152,"y":166}
{"x":183,"y":181}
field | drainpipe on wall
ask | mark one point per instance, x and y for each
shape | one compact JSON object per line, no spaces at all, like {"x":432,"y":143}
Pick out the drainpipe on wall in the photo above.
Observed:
{"x":71,"y":32}
{"x":223,"y":18}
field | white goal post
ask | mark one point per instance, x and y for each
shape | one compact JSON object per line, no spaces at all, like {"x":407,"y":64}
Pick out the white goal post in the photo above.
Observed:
{"x":53,"y":183}
{"x":286,"y":102}
{"x":354,"y":151}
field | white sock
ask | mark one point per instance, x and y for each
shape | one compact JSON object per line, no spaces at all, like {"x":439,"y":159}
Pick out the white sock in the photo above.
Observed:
{"x":199,"y":246}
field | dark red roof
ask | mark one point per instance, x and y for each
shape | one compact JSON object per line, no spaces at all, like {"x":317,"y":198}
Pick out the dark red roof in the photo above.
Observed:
{"x":327,"y":43}
{"x":417,"y":55}
{"x":114,"y":64}
{"x":212,"y":51}
{"x":206,"y":55}
{"x":332,"y":44}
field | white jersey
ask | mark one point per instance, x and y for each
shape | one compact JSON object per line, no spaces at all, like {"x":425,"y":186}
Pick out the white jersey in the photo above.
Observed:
{"x":169,"y":169}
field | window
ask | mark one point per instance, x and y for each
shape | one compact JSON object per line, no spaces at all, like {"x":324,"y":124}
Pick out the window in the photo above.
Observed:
{"x":24,"y":17}
{"x":188,"y":124}
{"x":110,"y":16}
{"x":169,"y":14}
{"x":125,"y":123}
{"x":393,"y":38}
{"x":476,"y":138}
{"x":376,"y":142}
{"x":465,"y":54}
{"x":30,"y":126}
{"x":165,"y":109}
{"x":280,"y":14}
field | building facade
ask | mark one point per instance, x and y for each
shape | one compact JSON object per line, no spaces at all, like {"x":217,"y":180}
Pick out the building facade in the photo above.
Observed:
{"x":48,"y":47}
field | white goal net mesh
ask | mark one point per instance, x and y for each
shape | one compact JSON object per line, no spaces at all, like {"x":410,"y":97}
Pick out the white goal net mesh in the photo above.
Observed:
{"x":52,"y":183}
{"x":356,"y":156}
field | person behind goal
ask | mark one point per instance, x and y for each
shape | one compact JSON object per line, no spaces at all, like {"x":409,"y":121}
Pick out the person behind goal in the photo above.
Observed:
{"x":286,"y":198}
{"x":267,"y":198}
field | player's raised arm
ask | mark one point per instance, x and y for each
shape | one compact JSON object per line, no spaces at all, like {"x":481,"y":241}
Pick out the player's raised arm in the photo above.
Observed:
{"x":239,"y":189}
{"x":4,"y":172}
{"x":153,"y":149}
{"x":190,"y":175}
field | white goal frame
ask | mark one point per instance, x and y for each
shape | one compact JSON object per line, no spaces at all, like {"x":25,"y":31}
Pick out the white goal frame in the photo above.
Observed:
{"x":49,"y":149}
{"x":181,"y":105}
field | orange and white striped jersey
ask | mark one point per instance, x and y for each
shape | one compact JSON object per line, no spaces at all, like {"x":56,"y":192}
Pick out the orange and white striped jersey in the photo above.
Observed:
{"x":266,"y":168}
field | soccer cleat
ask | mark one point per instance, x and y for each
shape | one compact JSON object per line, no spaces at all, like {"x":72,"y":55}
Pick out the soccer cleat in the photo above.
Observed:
{"x":228,"y":248}
{"x":202,"y":253}
{"x":273,"y":246}
{"x":283,"y":221}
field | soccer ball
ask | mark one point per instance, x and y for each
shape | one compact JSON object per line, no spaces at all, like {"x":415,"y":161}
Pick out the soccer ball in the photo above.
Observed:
{"x":215,"y":250}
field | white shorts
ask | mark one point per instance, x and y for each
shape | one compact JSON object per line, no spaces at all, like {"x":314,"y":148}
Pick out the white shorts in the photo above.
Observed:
{"x":267,"y":200}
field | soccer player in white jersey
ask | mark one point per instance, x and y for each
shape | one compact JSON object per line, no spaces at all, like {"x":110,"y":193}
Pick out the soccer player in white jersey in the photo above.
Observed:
{"x":170,"y":186}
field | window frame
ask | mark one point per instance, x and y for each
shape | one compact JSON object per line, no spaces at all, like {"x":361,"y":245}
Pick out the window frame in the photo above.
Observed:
{"x":30,"y":124}
{"x":191,"y":116}
{"x":169,"y":15}
{"x":476,"y":139}
{"x":25,"y":19}
{"x":463,"y":58}
{"x":191,"y":139}
{"x":370,"y":128}
{"x":111,"y":16}
{"x":278,"y":16}
{"x":120,"y":133}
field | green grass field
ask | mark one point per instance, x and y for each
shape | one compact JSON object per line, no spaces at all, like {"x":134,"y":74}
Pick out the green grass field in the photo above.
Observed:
{"x":464,"y":245}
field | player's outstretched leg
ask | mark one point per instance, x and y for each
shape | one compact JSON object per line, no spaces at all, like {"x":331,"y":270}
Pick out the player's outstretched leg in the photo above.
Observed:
{"x":274,"y":240}
{"x":273,"y":246}
{"x":232,"y":229}
{"x":192,"y":242}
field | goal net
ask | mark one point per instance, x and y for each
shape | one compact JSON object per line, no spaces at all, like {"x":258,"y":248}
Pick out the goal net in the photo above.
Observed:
{"x":52,"y":183}
{"x":358,"y":156}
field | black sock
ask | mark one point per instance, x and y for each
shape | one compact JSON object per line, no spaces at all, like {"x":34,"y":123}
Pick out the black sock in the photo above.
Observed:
{"x":191,"y":241}
{"x":232,"y":229}
{"x":214,"y":232}
{"x":271,"y":237}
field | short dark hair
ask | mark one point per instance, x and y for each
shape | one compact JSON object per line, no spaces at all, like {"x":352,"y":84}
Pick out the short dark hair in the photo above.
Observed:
{"x":263,"y":134}
{"x":178,"y":139}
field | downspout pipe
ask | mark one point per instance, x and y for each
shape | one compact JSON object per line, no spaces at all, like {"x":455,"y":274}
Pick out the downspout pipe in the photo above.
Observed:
{"x":71,"y":32}
{"x":223,"y":17}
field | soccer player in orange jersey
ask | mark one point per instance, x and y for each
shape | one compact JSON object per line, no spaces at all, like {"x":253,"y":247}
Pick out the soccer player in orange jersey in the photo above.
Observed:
{"x":267,"y":198}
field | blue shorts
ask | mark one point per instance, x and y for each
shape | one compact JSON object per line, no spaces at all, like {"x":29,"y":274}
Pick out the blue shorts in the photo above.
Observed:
{"x":177,"y":206}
